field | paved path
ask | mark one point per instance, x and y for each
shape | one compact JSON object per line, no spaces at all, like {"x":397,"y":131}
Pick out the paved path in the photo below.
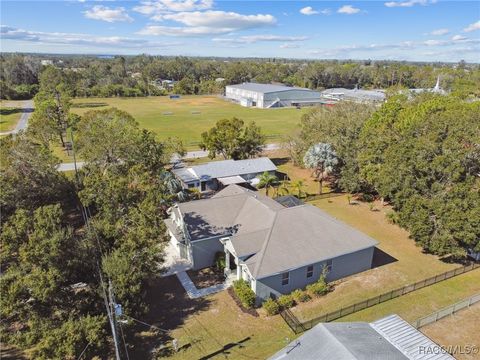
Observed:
{"x":190,"y":155}
{"x":70,"y":166}
{"x":193,"y":292}
{"x":23,"y":122}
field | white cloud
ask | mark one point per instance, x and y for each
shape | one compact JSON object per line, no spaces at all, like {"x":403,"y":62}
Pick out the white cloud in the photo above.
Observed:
{"x":403,"y":48}
{"x":10,"y":33}
{"x":459,"y":38}
{"x":250,"y":39}
{"x":104,"y":13}
{"x":472,"y":27}
{"x":409,"y":3}
{"x":348,"y":9}
{"x":199,"y":23}
{"x":157,"y":8}
{"x":289,"y":46}
{"x":308,"y":10}
{"x":439,"y":32}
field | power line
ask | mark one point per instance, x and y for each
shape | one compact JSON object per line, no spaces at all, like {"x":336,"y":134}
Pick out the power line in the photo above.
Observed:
{"x":107,"y":299}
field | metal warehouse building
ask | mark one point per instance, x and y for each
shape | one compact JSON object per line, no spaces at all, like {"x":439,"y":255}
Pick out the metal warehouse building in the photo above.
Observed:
{"x":271,"y":96}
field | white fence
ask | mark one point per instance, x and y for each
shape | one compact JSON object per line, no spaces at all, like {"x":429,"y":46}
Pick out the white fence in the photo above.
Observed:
{"x":449,"y":310}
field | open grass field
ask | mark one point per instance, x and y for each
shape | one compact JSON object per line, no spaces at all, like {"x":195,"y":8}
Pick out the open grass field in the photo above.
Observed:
{"x":461,"y":328}
{"x":189,"y":116}
{"x":10,"y":112}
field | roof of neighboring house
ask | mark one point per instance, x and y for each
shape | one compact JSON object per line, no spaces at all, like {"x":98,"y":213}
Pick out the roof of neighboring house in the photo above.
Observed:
{"x":281,"y":238}
{"x":225,"y":168}
{"x":359,"y":341}
{"x":266,"y":88}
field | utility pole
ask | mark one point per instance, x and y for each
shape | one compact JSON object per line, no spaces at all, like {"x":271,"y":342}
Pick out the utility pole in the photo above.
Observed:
{"x":113,"y":321}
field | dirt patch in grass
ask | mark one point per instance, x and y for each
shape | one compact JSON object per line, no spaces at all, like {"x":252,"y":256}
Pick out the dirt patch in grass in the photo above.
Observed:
{"x":460,"y":329}
{"x":206,"y":277}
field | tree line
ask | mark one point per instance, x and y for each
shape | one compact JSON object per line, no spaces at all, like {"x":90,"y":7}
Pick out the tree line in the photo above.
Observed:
{"x":421,"y":155}
{"x":89,"y":76}
{"x":52,"y":304}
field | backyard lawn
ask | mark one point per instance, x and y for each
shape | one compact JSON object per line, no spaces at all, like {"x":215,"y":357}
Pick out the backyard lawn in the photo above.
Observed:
{"x":10,"y":112}
{"x":189,"y":116}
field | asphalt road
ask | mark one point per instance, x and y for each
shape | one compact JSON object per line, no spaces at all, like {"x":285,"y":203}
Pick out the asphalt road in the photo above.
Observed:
{"x":23,"y":122}
{"x":190,"y":155}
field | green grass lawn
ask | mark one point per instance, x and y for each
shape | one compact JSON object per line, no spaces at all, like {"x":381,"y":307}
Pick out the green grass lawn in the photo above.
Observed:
{"x":425,"y":301}
{"x":10,"y":112}
{"x":189,"y":116}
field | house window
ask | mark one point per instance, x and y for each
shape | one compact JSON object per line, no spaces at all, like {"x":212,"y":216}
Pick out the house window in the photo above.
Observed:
{"x":309,"y":271}
{"x":191,"y":185}
{"x":285,"y":278}
{"x":329,"y":265}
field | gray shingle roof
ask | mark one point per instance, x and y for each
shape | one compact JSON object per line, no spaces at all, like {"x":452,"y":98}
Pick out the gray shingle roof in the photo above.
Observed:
{"x":283,"y":238}
{"x":218,"y":169}
{"x":388,"y":338}
{"x":265,"y":88}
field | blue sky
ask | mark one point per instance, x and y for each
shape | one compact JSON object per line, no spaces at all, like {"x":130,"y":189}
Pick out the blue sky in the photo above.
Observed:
{"x":423,"y":30}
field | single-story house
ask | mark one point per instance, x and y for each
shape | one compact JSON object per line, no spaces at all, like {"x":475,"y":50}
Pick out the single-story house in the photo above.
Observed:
{"x":217,"y":174}
{"x":389,"y":338}
{"x":277,"y":249}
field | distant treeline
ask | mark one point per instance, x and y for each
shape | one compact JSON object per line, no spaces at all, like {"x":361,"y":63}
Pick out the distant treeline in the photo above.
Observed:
{"x":90,"y":76}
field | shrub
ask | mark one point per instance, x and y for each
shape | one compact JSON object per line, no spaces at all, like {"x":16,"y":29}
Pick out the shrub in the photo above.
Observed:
{"x":286,"y":301}
{"x":366,"y":197}
{"x":318,"y":288}
{"x":245,"y":293}
{"x":271,"y":307}
{"x":220,"y":260}
{"x":300,"y":296}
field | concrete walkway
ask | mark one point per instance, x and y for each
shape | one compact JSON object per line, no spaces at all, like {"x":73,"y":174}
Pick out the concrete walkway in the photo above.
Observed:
{"x":193,"y":292}
{"x":173,"y":262}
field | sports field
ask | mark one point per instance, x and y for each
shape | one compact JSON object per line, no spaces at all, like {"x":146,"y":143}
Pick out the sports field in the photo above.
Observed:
{"x":189,"y":116}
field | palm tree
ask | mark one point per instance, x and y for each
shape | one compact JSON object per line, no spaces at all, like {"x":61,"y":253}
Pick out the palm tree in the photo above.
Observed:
{"x":299,"y":185}
{"x":284,"y":188}
{"x":267,"y":180}
{"x":322,"y":159}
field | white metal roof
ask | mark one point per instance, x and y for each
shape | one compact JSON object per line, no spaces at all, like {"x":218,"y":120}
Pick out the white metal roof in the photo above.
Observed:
{"x":225,"y":168}
{"x":408,"y":340}
{"x":228,"y":180}
{"x":265,"y":88}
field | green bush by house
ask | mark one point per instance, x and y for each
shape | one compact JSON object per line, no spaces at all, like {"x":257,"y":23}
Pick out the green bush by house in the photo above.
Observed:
{"x":271,"y":307}
{"x":300,"y":296}
{"x":318,"y":288}
{"x":286,"y":301}
{"x":245,"y":293}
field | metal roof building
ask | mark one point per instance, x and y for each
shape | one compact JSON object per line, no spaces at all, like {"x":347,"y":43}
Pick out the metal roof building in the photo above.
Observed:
{"x":388,"y":338}
{"x":357,"y":95}
{"x":271,"y":96}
